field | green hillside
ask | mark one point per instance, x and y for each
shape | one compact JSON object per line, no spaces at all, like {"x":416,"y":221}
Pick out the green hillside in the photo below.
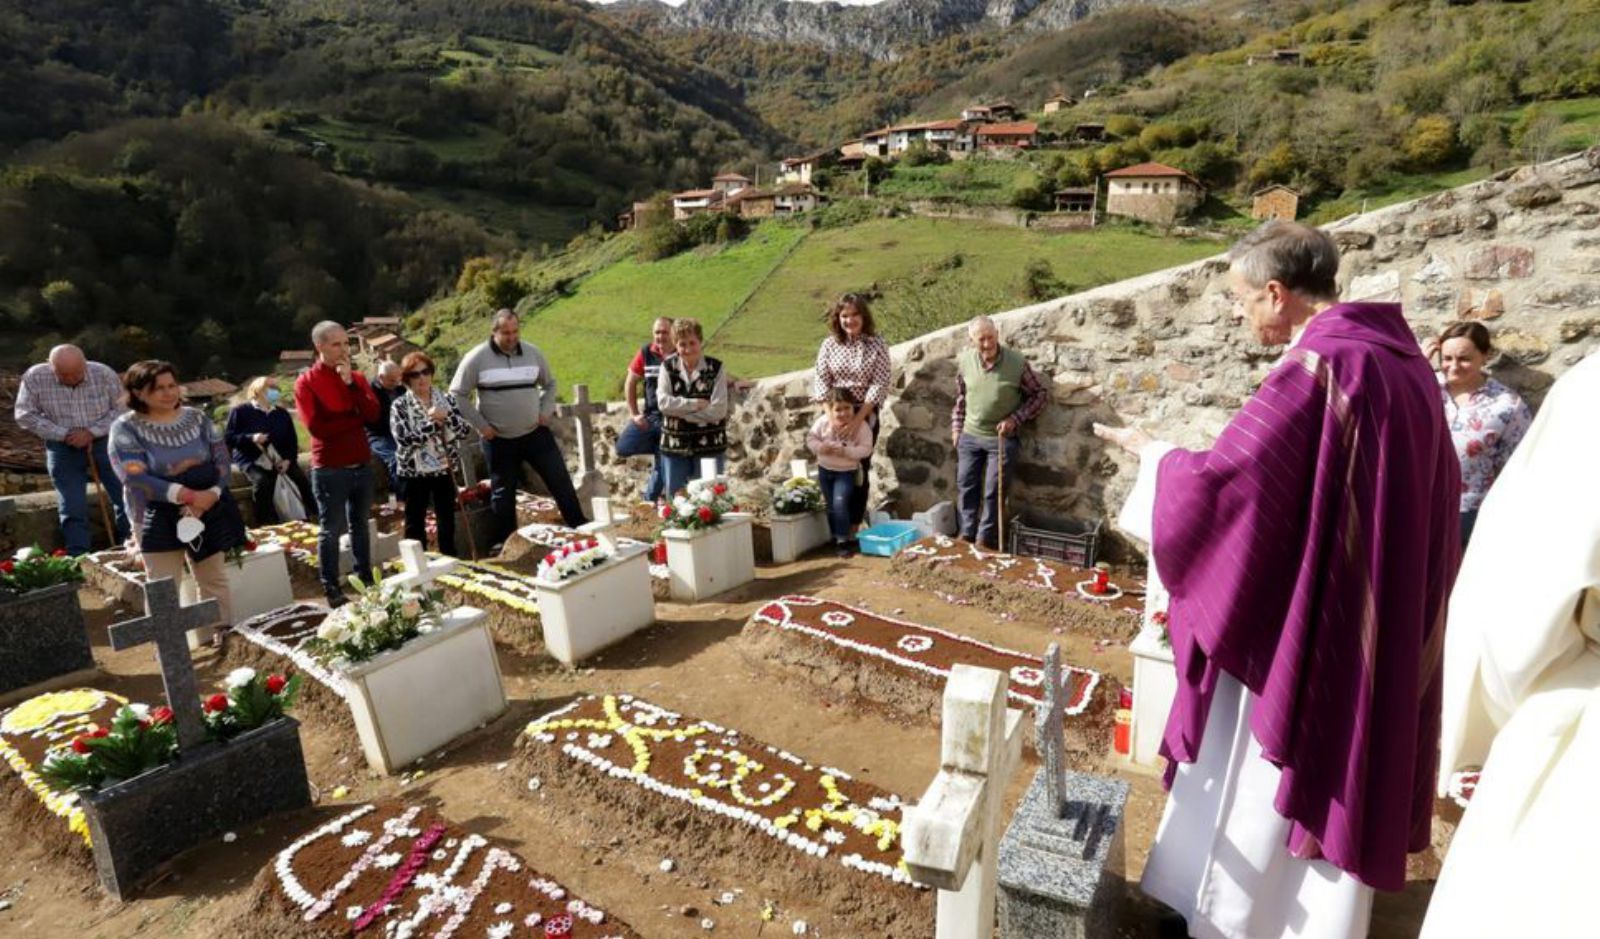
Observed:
{"x":761,"y":300}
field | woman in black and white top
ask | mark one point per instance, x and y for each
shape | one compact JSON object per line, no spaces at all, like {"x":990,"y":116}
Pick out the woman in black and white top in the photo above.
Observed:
{"x":692,"y":391}
{"x":428,"y":430}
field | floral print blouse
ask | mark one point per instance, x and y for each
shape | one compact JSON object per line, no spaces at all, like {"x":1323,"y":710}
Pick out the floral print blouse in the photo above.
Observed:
{"x":1486,"y":430}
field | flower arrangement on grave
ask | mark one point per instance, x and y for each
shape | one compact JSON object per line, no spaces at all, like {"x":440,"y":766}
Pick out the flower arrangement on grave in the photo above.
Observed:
{"x":381,"y":618}
{"x":250,"y":701}
{"x":698,"y":507}
{"x":237,"y":554}
{"x":571,"y":559}
{"x":33,"y":569}
{"x":139,"y":740}
{"x":1159,"y":619}
{"x":472,"y":496}
{"x":797,"y":496}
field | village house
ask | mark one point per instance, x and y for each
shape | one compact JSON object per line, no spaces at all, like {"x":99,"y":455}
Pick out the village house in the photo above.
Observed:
{"x":986,"y":113}
{"x":1077,"y":201}
{"x":799,"y":169}
{"x":634,"y":216}
{"x":729,"y":183}
{"x":876,"y":143}
{"x":793,"y":198}
{"x":206,"y":393}
{"x":752,"y":202}
{"x":1023,"y":134}
{"x":1057,"y":103}
{"x":950,"y":136}
{"x":1152,"y":192}
{"x":1088,"y":132}
{"x":291,"y":361}
{"x":694,"y":201}
{"x":1277,"y":57}
{"x":1275,"y":202}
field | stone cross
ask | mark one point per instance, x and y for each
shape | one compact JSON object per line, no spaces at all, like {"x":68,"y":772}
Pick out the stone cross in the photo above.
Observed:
{"x":419,"y":572}
{"x":708,"y":467}
{"x":1049,"y":737}
{"x":952,"y":836}
{"x":167,"y":624}
{"x":590,"y":482}
{"x":799,"y":469}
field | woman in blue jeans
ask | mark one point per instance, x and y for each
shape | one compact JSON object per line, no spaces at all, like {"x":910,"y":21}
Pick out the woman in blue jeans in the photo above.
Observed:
{"x":840,"y":443}
{"x":692,"y":393}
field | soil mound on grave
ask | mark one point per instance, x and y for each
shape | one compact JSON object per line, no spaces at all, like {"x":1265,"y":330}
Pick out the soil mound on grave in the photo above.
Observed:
{"x":726,"y":844}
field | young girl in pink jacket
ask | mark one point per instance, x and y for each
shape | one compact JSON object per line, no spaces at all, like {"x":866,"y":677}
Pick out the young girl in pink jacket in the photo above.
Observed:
{"x":839,"y":462}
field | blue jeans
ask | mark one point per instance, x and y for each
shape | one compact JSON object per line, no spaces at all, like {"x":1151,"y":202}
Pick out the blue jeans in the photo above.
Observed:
{"x":383,"y":449}
{"x":839,"y":491}
{"x":344,"y":503}
{"x":676,"y":471}
{"x":978,"y":485}
{"x":646,"y":441}
{"x":69,"y":473}
{"x":1469,"y":518}
{"x":506,"y":455}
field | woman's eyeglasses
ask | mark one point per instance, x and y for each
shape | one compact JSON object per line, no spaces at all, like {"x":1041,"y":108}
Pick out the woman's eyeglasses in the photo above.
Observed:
{"x":417,"y":374}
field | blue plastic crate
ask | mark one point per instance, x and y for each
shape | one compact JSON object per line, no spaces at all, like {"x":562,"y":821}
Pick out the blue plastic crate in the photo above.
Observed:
{"x":886,"y":539}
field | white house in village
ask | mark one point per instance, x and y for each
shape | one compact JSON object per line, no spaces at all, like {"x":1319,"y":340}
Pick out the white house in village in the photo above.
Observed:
{"x":729,"y":183}
{"x":799,"y":169}
{"x":695,"y":201}
{"x":791,"y":198}
{"x":1153,"y":192}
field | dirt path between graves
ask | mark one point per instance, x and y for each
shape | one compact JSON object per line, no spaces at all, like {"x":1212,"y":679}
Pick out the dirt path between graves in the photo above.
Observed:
{"x":689,"y":662}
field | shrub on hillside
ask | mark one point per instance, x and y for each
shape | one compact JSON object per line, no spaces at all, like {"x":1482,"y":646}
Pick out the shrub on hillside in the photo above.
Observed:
{"x":1039,"y":281}
{"x":920,"y":154}
{"x":1123,"y":126}
{"x":1430,"y":142}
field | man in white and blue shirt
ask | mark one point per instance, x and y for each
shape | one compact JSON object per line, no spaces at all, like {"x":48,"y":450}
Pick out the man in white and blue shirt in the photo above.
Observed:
{"x":514,"y":403}
{"x":71,"y":402}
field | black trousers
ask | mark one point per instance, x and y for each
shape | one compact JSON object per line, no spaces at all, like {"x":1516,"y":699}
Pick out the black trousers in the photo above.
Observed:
{"x":440,"y":492}
{"x":263,"y":482}
{"x":539,"y":449}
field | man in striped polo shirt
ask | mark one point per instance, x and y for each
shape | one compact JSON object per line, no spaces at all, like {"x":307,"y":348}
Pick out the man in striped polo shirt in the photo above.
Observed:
{"x":506,"y":390}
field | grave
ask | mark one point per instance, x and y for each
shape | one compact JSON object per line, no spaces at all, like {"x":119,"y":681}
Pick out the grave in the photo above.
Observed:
{"x":1056,"y":593}
{"x":1056,"y":860}
{"x":117,"y":573}
{"x":45,"y":641}
{"x":508,"y":598}
{"x":952,"y":833}
{"x":589,"y":482}
{"x":137,"y":825}
{"x":259,"y":582}
{"x":596,"y":608}
{"x":902,"y":666}
{"x":392,"y":869}
{"x":299,"y":542}
{"x":727,"y":804}
{"x":795,"y":534}
{"x":707,"y":561}
{"x":45,"y":724}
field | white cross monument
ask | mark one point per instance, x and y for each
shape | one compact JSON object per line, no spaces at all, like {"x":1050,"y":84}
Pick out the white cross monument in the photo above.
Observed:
{"x":590,"y":482}
{"x":419,"y":571}
{"x":952,"y":836}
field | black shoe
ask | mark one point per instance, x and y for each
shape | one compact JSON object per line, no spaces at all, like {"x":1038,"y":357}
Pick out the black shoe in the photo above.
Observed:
{"x":841,"y":549}
{"x":1172,"y":926}
{"x":336,"y":600}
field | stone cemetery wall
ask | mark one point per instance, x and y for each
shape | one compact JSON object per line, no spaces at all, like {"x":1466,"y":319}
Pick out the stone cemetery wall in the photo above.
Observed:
{"x":1521,"y":250}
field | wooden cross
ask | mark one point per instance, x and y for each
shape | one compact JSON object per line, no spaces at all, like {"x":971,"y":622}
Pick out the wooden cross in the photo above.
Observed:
{"x":1049,"y":736}
{"x":419,"y":572}
{"x":952,"y":836}
{"x":167,"y":624}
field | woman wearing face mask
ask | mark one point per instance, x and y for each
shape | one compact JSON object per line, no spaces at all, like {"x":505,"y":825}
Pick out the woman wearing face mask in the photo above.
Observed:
{"x":174,"y":470}
{"x":257,"y":422}
{"x":1487,"y":419}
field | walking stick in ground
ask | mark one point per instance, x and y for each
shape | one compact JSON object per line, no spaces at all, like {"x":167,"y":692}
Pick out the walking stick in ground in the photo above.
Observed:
{"x":466,"y":517}
{"x":1000,"y":498}
{"x":100,"y":497}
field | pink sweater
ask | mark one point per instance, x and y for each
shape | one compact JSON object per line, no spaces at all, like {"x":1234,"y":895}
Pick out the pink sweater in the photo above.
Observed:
{"x":854,"y":452}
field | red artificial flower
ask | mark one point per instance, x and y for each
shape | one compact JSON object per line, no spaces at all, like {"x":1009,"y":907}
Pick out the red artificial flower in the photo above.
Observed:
{"x":275,"y":683}
{"x":217,"y":703}
{"x":80,"y":744}
{"x":7,"y":567}
{"x":1159,"y":617}
{"x":666,"y":512}
{"x":250,"y":546}
{"x":59,"y":553}
{"x":705,"y":513}
{"x":719,"y":489}
{"x":161,"y":715}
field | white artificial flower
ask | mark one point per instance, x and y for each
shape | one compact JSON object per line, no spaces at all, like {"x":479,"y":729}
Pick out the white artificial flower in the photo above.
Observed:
{"x":411,"y":607}
{"x":332,"y":630}
{"x":141,"y":711}
{"x":240,"y":677}
{"x":24,"y":553}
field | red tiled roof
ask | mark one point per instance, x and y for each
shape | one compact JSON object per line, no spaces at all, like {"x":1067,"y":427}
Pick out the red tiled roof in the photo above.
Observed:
{"x":729,"y":178}
{"x":1014,"y":129}
{"x":695,"y":194}
{"x":296,"y":355}
{"x":1147,"y":169}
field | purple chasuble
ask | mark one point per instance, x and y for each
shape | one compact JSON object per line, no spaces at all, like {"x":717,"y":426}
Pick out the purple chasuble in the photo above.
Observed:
{"x":1310,"y":554}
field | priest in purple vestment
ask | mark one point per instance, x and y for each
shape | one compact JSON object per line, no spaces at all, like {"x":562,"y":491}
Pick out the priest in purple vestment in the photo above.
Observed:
{"x":1308,"y":555}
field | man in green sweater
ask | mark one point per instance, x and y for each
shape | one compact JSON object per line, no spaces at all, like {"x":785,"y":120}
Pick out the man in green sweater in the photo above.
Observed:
{"x":996,"y":393}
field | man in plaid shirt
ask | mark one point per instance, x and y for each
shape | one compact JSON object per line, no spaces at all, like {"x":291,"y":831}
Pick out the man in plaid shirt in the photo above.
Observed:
{"x":71,"y":402}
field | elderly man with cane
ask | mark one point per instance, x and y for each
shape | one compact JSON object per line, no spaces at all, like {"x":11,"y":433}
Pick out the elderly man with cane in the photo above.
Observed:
{"x":71,"y":402}
{"x":997,"y":391}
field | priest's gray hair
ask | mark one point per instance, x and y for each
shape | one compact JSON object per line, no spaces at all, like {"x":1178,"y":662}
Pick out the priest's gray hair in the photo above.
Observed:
{"x":323,"y":330}
{"x":981,"y":324}
{"x":1301,"y":258}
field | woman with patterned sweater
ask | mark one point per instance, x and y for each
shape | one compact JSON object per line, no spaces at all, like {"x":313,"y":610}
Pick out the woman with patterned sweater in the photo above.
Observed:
{"x":856,"y":359}
{"x":428,"y":430}
{"x":174,"y":466}
{"x":693,"y":395}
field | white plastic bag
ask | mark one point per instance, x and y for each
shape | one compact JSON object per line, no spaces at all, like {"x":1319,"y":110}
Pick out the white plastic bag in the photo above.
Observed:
{"x":286,"y":499}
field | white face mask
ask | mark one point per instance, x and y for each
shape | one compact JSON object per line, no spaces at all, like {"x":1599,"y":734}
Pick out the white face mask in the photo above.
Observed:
{"x":189,"y":530}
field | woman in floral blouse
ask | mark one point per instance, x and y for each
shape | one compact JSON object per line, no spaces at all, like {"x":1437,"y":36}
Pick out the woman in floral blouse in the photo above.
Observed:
{"x":428,"y":431}
{"x":856,"y":359}
{"x":1487,"y":419}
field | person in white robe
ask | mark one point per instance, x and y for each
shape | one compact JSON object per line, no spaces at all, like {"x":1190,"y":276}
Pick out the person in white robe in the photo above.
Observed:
{"x":1522,"y":689}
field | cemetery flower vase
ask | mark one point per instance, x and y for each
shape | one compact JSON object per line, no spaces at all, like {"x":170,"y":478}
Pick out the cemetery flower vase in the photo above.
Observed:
{"x":410,"y":701}
{"x":708,"y":561}
{"x":44,"y":637}
{"x":137,"y":825}
{"x":592,"y":609}
{"x":794,"y":535}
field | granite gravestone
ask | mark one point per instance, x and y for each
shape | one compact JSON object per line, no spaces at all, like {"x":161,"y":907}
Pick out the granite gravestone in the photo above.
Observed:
{"x":950,"y":835}
{"x":45,"y":641}
{"x":1055,"y":882}
{"x":137,"y":825}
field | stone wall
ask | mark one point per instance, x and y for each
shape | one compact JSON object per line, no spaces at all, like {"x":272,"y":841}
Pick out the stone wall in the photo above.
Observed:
{"x":1521,"y":249}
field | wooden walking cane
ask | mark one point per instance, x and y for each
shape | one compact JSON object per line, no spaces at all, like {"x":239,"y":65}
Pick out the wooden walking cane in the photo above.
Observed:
{"x":455,"y":464}
{"x":1000,"y":498}
{"x":100,"y":493}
